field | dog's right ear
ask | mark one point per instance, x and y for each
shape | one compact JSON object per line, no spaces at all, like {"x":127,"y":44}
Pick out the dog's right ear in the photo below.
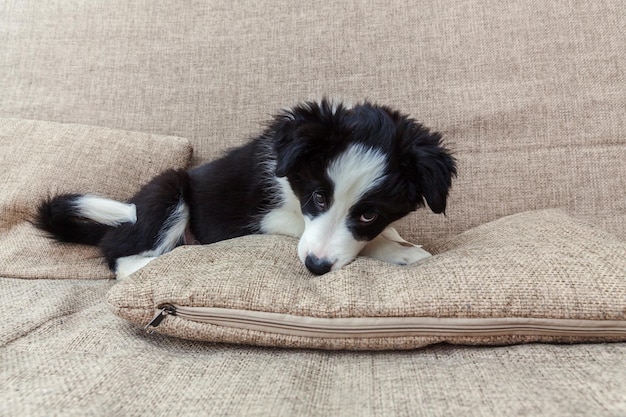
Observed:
{"x":289,"y":147}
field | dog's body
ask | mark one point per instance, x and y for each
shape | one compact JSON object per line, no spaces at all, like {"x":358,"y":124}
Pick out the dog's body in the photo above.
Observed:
{"x":336,"y":177}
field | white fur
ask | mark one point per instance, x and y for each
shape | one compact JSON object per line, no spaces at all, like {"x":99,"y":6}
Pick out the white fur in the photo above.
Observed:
{"x":286,"y":219}
{"x":106,"y":211}
{"x":173,"y":230}
{"x":390,"y":247}
{"x":128,"y":265}
{"x":353,"y":173}
{"x":168,"y":238}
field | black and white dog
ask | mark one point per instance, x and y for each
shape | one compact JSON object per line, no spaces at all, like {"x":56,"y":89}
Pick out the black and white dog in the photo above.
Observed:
{"x":335,"y":176}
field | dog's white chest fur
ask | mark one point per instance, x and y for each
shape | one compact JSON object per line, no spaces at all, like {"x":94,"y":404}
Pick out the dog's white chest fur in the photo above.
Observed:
{"x":286,"y":219}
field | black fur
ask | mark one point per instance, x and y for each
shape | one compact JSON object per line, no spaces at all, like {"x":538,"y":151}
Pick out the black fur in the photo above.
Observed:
{"x":57,"y":216}
{"x":313,"y":134}
{"x":229,"y":194}
{"x":228,"y":197}
{"x":155,"y":203}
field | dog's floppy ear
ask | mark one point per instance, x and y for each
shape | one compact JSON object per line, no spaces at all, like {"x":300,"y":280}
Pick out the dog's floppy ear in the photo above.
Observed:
{"x":288,"y":146}
{"x":428,"y":165}
{"x":304,"y":131}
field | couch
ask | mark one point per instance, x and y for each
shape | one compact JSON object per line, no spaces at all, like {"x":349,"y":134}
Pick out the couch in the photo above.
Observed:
{"x":530,"y":95}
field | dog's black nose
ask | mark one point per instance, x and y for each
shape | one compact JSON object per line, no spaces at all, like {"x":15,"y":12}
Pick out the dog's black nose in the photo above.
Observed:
{"x":316,"y":265}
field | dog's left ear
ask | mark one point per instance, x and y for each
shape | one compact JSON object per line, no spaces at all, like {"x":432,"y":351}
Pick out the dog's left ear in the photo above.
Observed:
{"x":304,"y":131}
{"x":428,"y":165}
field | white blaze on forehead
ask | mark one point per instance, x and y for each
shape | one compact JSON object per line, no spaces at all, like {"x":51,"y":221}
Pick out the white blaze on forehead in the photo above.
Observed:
{"x":353,"y":173}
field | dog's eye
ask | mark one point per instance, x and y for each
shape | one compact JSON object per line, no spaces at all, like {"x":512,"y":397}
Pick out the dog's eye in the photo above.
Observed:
{"x":319,"y":199}
{"x":368,"y":217}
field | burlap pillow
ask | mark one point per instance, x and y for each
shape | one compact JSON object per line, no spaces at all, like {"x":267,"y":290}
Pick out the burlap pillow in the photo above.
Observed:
{"x":43,"y":158}
{"x":536,"y":276}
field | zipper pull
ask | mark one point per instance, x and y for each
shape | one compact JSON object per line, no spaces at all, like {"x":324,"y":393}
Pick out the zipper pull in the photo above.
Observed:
{"x":165,"y":310}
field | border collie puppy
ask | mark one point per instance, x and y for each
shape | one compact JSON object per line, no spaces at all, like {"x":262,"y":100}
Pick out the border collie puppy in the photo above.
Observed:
{"x":335,"y":176}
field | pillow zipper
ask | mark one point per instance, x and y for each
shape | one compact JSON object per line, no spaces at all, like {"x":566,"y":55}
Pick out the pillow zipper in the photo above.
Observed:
{"x":372,"y":327}
{"x":162,"y":311}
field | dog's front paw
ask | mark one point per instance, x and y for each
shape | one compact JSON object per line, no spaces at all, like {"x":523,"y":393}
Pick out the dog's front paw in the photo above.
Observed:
{"x":390,"y":247}
{"x":406,"y":255}
{"x":128,"y":265}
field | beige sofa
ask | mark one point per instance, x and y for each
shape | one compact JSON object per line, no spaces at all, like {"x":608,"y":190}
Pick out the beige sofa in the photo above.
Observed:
{"x":530,"y":95}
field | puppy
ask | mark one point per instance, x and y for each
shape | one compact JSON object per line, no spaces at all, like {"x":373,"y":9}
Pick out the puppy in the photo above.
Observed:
{"x":335,"y":176}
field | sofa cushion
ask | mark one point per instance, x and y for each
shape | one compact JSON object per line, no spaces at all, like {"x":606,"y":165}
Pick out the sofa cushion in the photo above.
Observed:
{"x":535,"y":276}
{"x":39,"y":159}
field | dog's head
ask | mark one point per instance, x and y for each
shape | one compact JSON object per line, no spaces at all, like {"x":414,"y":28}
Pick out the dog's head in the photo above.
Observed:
{"x":356,"y":170}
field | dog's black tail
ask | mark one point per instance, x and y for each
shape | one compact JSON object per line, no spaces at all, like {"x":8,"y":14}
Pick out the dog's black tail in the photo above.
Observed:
{"x":78,"y":218}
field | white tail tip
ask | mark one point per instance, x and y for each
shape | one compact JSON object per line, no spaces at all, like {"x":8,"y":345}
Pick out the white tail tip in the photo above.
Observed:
{"x":105,"y":210}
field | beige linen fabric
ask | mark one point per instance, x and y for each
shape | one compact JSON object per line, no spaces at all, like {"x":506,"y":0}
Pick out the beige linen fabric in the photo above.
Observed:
{"x":40,"y":159}
{"x":532,"y":265}
{"x":71,"y":357}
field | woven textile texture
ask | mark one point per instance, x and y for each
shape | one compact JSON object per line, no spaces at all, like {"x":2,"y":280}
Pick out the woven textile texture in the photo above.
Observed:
{"x":78,"y":359}
{"x":531,"y":265}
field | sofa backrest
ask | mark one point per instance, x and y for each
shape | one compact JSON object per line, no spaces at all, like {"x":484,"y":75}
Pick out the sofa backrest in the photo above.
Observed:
{"x":532,"y":103}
